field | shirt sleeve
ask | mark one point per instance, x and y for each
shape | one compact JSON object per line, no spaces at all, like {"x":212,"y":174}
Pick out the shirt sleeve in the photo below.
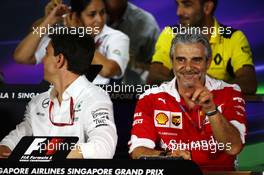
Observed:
{"x":101,"y":132}
{"x":242,"y":54}
{"x":21,"y":130}
{"x":162,"y":48}
{"x":143,"y":129}
{"x":234,"y":111}
{"x":118,"y":51}
{"x":41,"y":50}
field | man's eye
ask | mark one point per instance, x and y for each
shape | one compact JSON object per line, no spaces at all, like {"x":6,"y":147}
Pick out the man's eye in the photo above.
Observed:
{"x":180,"y":59}
{"x":187,"y":4}
{"x":197,"y":60}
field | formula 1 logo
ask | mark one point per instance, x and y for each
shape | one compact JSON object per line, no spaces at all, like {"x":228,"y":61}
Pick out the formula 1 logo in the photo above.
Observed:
{"x":43,"y":149}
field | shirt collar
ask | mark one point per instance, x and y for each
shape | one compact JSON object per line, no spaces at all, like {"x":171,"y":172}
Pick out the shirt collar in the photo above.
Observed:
{"x":74,"y":89}
{"x":172,"y":90}
{"x":215,"y":38}
{"x":101,"y":34}
{"x":213,"y":84}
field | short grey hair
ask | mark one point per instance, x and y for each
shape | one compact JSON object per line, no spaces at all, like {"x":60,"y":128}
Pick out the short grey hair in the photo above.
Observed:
{"x":191,"y":37}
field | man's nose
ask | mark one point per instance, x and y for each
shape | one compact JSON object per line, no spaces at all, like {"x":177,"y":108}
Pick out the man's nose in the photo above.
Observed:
{"x":188,"y":65}
{"x":179,"y":11}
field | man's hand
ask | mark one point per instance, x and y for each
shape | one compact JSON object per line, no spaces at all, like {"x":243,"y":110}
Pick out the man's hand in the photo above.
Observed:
{"x":204,"y":98}
{"x":4,"y":151}
{"x":55,"y":15}
{"x":71,"y":20}
{"x":200,"y":96}
{"x":186,"y":155}
{"x":51,"y":5}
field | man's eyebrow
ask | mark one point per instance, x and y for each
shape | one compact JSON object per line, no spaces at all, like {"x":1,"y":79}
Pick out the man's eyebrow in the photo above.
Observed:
{"x":178,"y":57}
{"x":197,"y":57}
{"x":186,"y":1}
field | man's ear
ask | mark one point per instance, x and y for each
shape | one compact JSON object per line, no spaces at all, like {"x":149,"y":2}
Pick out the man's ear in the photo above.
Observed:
{"x":60,"y":60}
{"x":208,"y":8}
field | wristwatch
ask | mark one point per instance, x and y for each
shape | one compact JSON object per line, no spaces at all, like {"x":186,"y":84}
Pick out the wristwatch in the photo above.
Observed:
{"x":210,"y":113}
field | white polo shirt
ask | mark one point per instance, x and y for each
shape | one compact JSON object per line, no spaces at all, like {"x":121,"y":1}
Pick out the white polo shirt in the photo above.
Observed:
{"x":93,"y":120}
{"x":113,"y":44}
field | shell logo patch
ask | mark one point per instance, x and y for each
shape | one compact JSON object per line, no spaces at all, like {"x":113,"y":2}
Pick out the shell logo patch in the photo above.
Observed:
{"x":162,"y":118}
{"x":167,"y":119}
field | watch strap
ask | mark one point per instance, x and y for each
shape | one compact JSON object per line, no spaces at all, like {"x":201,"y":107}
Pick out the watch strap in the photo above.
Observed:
{"x":210,"y":113}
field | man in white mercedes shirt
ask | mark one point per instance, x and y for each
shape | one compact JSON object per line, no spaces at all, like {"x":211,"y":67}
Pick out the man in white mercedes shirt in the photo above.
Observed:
{"x":76,"y":107}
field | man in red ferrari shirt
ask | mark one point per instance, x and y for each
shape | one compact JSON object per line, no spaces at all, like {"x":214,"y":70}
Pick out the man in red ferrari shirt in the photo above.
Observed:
{"x":193,"y":116}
